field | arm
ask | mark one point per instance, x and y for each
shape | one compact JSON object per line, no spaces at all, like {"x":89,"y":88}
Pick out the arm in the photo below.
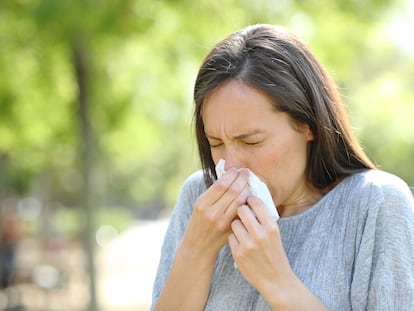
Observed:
{"x":257,"y":249}
{"x":188,"y":283}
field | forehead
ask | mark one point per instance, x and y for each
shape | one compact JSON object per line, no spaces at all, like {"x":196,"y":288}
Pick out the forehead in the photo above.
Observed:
{"x":236,"y":96}
{"x":236,"y":108}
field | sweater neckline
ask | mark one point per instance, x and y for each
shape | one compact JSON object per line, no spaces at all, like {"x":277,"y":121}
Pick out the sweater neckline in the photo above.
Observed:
{"x":318,"y":205}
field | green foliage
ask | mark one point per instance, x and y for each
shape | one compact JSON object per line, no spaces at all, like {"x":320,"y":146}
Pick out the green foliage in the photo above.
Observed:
{"x":143,"y":58}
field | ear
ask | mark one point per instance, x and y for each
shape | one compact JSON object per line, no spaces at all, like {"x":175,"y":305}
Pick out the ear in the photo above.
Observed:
{"x":310,"y":136}
{"x":307,"y":133}
{"x":304,"y":129}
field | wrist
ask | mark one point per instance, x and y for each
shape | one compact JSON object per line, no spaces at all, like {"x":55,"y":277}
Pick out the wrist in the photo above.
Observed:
{"x":192,"y":253}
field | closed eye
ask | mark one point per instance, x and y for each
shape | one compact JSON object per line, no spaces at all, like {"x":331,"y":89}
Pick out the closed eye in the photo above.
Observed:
{"x":252,"y":143}
{"x":215,"y":145}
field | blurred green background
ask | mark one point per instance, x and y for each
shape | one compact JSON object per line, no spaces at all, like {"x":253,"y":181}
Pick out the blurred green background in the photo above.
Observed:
{"x":96,"y":113}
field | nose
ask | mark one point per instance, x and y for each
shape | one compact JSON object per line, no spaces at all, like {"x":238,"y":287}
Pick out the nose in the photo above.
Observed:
{"x":233,"y":159}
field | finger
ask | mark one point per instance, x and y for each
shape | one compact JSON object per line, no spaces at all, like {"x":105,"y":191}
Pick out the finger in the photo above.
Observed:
{"x":237,"y":201}
{"x":260,"y":210}
{"x":221,"y":185}
{"x":239,"y":231}
{"x":236,"y":191}
{"x":248,"y":218}
{"x":233,"y":242}
{"x":217,"y":190}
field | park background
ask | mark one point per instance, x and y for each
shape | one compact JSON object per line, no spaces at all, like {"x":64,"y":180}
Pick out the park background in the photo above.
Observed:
{"x":96,"y":125}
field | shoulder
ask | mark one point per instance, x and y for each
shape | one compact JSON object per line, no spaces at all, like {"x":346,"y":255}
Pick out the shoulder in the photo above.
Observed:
{"x":194,"y":184}
{"x":379,"y":177}
{"x":380,"y":183}
{"x":191,"y":189}
{"x":372,"y":192}
{"x":380,"y":193}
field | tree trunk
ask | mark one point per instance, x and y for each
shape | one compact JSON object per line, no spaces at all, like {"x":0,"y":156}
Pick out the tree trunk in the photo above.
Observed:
{"x":80,"y":62}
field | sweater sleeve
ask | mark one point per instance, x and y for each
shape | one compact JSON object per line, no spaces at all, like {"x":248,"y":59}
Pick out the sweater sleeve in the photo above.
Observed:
{"x":189,"y":193}
{"x":384,"y":266}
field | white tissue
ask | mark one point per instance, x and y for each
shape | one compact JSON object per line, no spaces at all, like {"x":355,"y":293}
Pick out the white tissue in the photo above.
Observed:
{"x":257,"y":188}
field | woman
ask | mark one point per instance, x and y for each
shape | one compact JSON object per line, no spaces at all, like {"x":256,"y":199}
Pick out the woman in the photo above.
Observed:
{"x":345,"y":237}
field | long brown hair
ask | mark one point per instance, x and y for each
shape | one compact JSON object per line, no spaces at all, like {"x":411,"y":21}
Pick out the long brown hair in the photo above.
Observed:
{"x":271,"y":59}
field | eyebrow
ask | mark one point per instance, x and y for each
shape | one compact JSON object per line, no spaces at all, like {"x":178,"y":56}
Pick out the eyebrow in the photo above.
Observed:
{"x":240,"y":136}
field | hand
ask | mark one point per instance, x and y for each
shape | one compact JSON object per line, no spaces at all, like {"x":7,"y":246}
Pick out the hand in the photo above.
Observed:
{"x":257,"y":247}
{"x":215,"y":209}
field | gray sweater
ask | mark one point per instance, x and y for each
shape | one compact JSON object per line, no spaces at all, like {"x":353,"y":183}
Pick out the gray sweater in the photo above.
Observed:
{"x":354,"y":249}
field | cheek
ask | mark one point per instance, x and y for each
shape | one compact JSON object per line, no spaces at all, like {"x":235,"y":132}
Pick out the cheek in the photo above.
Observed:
{"x":273,"y":155}
{"x":279,"y":164}
{"x":266,"y":162}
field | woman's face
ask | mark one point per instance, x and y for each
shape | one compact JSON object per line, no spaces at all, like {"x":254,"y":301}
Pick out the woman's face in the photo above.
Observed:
{"x":243,"y":127}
